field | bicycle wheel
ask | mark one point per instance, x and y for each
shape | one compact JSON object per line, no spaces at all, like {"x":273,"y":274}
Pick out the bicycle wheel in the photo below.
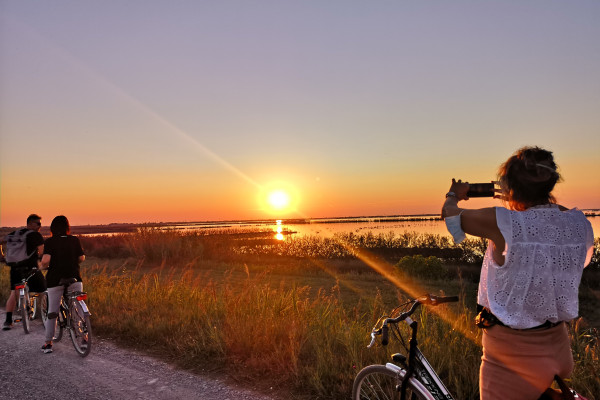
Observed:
{"x":80,"y":329}
{"x":34,"y":306}
{"x":378,"y":382}
{"x":17,"y":313}
{"x":42,"y":306}
{"x":26,"y":312}
{"x":60,"y":324}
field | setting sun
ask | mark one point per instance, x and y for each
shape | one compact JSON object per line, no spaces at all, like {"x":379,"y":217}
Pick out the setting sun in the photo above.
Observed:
{"x":279,"y":199}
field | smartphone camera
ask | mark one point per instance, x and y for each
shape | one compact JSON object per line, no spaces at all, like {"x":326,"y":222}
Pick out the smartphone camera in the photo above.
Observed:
{"x":481,"y":190}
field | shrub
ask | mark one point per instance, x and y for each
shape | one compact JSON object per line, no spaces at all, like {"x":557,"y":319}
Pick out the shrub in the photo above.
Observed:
{"x":429,"y":268}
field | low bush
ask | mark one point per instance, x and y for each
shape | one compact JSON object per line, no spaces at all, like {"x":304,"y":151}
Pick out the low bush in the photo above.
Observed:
{"x":429,"y":268}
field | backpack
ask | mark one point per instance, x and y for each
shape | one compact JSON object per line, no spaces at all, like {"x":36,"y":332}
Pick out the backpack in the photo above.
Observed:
{"x":16,"y":246}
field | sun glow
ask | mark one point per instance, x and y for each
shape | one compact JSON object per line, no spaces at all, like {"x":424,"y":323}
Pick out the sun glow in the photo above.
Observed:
{"x":279,"y":199}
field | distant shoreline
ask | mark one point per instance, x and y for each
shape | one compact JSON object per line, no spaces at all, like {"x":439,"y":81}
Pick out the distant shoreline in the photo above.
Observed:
{"x":128,"y":227}
{"x":132,"y":227}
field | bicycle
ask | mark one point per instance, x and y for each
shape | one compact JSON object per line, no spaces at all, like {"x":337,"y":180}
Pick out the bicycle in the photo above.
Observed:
{"x":414,"y":378}
{"x":74,"y":316}
{"x":28,"y":305}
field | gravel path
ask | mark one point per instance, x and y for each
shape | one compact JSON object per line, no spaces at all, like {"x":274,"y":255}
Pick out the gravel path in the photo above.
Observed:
{"x":109,"y":372}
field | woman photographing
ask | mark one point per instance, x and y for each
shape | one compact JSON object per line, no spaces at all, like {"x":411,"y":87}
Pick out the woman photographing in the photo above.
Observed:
{"x":530,"y":275}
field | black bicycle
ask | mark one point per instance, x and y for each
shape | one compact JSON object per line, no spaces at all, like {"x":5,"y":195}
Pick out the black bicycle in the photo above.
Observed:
{"x":414,"y":378}
{"x":74,"y":316}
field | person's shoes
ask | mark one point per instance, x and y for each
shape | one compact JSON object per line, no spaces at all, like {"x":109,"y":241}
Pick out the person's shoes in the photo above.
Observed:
{"x":47,"y":348}
{"x":7,"y":326}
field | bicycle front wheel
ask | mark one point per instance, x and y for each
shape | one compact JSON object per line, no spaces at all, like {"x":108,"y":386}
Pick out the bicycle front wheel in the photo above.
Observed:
{"x":379,"y":382}
{"x":42,"y":306}
{"x":80,"y":329}
{"x":60,"y":324}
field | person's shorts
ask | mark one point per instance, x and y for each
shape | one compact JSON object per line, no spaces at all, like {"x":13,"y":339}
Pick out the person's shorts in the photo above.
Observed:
{"x":37,"y":283}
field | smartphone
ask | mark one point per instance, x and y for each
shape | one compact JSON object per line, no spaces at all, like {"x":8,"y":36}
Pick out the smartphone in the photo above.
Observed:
{"x":481,"y":190}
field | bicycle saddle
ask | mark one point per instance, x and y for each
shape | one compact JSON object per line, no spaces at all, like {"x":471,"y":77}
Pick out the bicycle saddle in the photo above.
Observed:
{"x":67,"y":281}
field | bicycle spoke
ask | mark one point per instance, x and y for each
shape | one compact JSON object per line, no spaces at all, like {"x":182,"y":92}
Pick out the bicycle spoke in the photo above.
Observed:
{"x":375,"y":388}
{"x":377,"y":382}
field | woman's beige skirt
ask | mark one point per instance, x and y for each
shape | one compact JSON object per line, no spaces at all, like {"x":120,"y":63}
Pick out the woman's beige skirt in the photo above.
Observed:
{"x":520,"y":365}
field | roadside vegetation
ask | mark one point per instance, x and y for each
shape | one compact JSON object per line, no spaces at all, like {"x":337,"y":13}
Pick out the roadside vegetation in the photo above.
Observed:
{"x":296,"y":314}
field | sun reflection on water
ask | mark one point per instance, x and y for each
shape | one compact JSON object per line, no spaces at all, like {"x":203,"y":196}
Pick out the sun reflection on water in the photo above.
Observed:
{"x":279,"y":230}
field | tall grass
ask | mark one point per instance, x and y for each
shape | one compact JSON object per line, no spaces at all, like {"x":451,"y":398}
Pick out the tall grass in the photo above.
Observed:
{"x":277,"y":336}
{"x":199,"y":300}
{"x":154,"y":244}
{"x":282,"y":336}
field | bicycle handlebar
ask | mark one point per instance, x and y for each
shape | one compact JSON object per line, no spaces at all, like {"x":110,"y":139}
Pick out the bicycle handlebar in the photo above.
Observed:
{"x":32,"y":272}
{"x":428,"y":299}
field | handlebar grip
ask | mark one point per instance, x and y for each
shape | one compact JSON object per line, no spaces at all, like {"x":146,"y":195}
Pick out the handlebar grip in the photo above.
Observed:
{"x":384,"y":335}
{"x":447,"y":299}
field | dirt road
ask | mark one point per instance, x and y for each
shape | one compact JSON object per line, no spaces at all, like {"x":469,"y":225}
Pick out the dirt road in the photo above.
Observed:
{"x":109,"y":372}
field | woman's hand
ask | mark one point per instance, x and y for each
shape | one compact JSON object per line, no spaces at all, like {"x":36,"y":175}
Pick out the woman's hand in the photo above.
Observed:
{"x":460,"y":189}
{"x":450,"y":207}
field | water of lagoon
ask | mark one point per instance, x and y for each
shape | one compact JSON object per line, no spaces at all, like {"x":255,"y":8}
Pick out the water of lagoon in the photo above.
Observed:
{"x":328,"y":227}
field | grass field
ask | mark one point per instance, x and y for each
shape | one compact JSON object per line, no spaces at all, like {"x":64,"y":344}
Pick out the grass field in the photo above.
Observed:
{"x":296,"y":315}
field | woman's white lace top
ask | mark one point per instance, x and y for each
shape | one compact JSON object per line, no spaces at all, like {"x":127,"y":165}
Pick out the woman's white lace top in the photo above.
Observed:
{"x":546,"y":251}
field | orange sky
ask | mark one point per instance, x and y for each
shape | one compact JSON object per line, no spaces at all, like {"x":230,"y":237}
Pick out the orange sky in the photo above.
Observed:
{"x":184,"y":112}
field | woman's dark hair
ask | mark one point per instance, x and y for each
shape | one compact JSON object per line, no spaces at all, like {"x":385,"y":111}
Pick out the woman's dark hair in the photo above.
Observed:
{"x":528,"y":178}
{"x":60,"y":226}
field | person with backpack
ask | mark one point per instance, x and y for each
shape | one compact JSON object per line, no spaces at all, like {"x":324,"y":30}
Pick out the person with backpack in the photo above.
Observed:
{"x":24,"y":248}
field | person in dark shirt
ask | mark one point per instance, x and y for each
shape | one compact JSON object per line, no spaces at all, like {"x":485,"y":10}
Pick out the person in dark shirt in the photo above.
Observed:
{"x":62,"y":256}
{"x":21,"y":269}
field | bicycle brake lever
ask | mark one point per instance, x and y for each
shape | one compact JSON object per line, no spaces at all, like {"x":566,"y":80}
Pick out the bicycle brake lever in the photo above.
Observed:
{"x":374,"y":333}
{"x":372,"y":340}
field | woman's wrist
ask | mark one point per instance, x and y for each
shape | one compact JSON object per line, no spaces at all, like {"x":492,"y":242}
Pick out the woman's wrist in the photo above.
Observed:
{"x":451,"y":198}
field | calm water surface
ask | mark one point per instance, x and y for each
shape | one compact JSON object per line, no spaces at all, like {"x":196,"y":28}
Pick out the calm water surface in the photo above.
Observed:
{"x":329,"y":227}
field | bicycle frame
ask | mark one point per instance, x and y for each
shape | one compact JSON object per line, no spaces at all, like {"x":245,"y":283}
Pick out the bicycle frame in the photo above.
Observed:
{"x":73,"y":315}
{"x":23,"y":291}
{"x":24,"y":302}
{"x":414,"y":371}
{"x":419,"y":367}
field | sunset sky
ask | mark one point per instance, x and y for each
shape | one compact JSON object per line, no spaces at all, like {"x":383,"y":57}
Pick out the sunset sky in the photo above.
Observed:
{"x":149,"y":111}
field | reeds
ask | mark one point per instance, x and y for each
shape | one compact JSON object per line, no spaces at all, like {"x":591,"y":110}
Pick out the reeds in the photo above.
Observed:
{"x":282,"y":335}
{"x":154,"y":245}
{"x":213,"y":302}
{"x":274,"y":335}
